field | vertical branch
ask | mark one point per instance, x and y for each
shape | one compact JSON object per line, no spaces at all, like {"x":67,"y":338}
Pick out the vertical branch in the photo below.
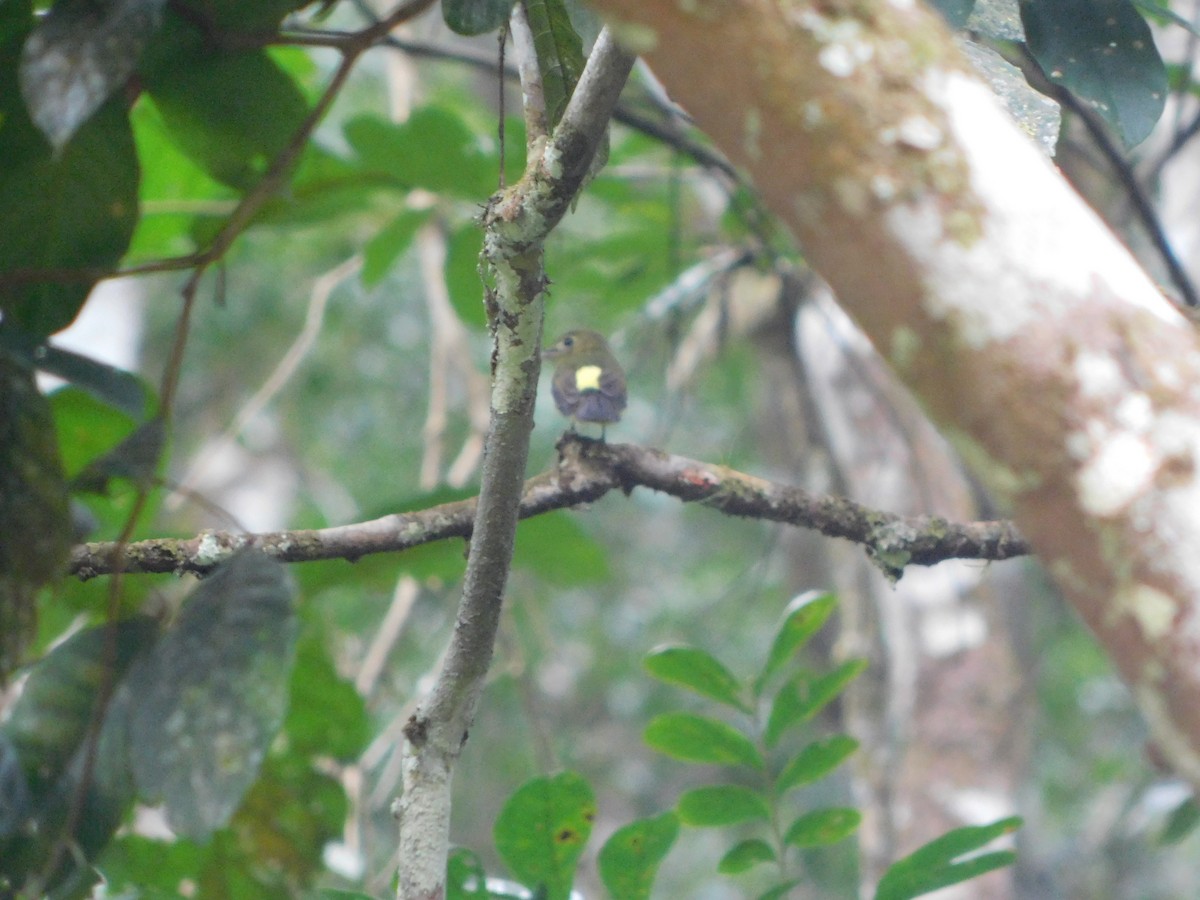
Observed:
{"x":533,"y":98}
{"x":516,"y":224}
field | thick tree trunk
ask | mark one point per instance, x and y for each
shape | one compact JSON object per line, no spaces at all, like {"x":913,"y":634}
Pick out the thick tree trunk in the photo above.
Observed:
{"x":1030,"y":334}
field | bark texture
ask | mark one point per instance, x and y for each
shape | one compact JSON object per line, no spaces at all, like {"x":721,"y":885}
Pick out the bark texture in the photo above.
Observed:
{"x":1030,"y":334}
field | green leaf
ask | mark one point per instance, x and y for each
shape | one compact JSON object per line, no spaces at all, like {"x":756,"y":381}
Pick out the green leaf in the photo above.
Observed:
{"x":435,"y":149}
{"x":1102,"y":51}
{"x":541,"y":831}
{"x":914,"y":884}
{"x":118,"y":388}
{"x":627,"y":261}
{"x":698,"y":670}
{"x":54,"y":710}
{"x":233,"y":133}
{"x":815,"y":761}
{"x":823,"y":826}
{"x":176,"y":193}
{"x":779,"y":891}
{"x":88,"y":427}
{"x":955,"y":843}
{"x":80,"y":54}
{"x":70,"y":809}
{"x":48,"y":733}
{"x":936,"y":864}
{"x":15,"y":789}
{"x":559,"y":52}
{"x":326,"y":716}
{"x":745,"y":855}
{"x":136,"y":458}
{"x":212,"y":694}
{"x":382,"y":251}
{"x":629,"y":860}
{"x":472,"y":17}
{"x":15,"y":22}
{"x":806,"y":695}
{"x":1160,"y":13}
{"x":465,"y":877}
{"x":560,"y":550}
{"x":721,"y":804}
{"x":138,"y":866}
{"x":1182,"y":822}
{"x":326,"y":188}
{"x":462,"y":274}
{"x":238,"y":15}
{"x":67,"y":211}
{"x":802,"y":619}
{"x":693,"y":738}
{"x":289,"y":815}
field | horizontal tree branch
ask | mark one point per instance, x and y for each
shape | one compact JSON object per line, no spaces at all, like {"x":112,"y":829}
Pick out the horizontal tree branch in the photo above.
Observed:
{"x":586,"y":471}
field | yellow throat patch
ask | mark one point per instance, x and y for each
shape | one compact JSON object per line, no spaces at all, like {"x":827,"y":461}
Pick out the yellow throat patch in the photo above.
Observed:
{"x":587,"y":378}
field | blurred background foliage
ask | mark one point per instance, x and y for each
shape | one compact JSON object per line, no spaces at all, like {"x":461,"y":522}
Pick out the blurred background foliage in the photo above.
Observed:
{"x":335,"y":370}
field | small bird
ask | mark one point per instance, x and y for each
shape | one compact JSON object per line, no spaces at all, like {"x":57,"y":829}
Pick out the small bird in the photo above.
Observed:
{"x":588,"y":383}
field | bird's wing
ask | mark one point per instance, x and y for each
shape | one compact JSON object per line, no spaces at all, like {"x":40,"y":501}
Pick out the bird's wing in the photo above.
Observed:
{"x":612,"y":385}
{"x":566,"y":395}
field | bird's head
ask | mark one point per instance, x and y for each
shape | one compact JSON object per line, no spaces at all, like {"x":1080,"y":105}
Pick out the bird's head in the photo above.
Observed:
{"x":582,"y":342}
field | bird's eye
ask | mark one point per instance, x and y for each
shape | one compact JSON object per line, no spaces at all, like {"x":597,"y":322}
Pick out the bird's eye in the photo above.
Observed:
{"x":568,"y":342}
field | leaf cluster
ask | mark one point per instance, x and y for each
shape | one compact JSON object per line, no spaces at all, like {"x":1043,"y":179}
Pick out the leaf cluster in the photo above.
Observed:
{"x":1101,"y":51}
{"x":543,"y":827}
{"x":122,"y":712}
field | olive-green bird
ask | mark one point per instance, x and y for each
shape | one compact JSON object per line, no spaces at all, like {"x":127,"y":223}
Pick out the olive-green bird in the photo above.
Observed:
{"x":588,"y":383}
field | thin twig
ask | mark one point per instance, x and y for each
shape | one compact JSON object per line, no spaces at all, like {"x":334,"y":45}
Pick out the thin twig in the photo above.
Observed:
{"x":533,"y":94}
{"x":431,"y":258}
{"x":322,"y":290}
{"x":1142,"y":206}
{"x":502,"y":112}
{"x":386,"y":635}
